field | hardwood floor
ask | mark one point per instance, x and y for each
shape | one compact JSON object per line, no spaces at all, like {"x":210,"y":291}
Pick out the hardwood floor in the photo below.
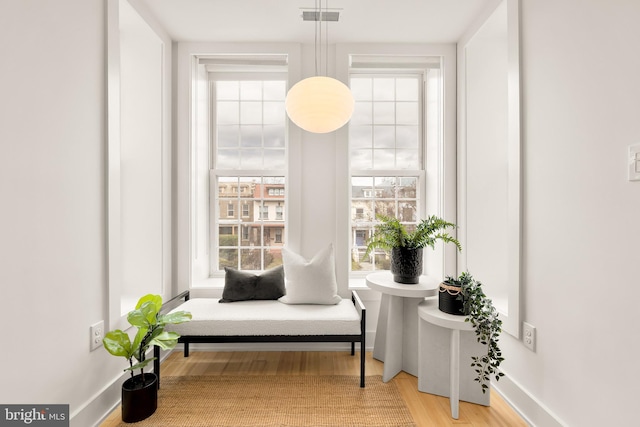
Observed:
{"x":426,"y":409}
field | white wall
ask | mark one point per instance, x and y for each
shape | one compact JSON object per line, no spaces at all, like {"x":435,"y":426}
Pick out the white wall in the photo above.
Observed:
{"x":581,"y":110}
{"x":52,"y":190}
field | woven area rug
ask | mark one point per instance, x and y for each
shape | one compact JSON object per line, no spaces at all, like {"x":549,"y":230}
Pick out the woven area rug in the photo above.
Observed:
{"x":254,"y":400}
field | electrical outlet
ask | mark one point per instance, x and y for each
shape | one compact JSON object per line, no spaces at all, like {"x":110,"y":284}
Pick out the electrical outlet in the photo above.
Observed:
{"x":97,"y":334}
{"x":529,"y":336}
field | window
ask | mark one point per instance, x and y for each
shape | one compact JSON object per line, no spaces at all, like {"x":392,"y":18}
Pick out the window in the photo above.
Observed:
{"x":255,"y":249}
{"x":389,"y":198}
{"x":276,"y":191}
{"x":384,"y":132}
{"x":387,"y":172}
{"x":248,"y":145}
{"x":203,"y":167}
{"x":264,"y":212}
{"x":250,"y":124}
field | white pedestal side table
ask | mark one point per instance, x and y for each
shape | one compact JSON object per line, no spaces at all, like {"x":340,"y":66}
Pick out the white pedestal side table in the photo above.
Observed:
{"x":444,"y":340}
{"x":396,"y":342}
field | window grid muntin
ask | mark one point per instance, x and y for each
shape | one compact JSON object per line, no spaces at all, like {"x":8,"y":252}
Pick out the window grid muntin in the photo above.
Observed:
{"x":247,"y":242}
{"x":253,"y":248}
{"x":380,"y":136}
{"x":366,"y":166}
{"x":387,"y":194}
{"x":247,"y":133}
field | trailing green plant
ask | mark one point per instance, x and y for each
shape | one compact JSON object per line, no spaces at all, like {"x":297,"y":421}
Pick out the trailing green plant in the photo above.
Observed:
{"x":484,"y":319}
{"x":150,"y":323}
{"x":391,"y":233}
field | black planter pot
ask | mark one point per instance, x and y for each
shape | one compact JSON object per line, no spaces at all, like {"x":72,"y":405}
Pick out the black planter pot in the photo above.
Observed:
{"x":406,"y":265}
{"x":448,"y":300}
{"x":139,"y":400}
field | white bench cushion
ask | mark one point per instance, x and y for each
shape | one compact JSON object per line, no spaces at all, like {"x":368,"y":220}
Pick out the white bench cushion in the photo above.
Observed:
{"x":267,"y":318}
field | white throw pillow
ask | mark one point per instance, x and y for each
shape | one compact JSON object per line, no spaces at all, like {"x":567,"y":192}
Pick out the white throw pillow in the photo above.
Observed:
{"x":310,"y":282}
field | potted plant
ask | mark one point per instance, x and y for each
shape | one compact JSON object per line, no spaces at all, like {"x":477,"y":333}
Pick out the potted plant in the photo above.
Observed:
{"x":140,"y":392}
{"x":479,"y":309}
{"x":450,"y":296}
{"x":406,"y":246}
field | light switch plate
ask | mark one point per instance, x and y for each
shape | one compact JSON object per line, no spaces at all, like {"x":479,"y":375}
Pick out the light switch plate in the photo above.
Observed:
{"x":634,"y":162}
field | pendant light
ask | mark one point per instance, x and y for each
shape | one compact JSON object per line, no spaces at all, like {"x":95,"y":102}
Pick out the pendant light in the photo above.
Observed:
{"x":319,"y":104}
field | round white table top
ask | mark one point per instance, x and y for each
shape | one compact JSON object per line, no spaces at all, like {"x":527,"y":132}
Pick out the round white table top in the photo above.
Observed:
{"x":428,"y":310}
{"x":383,"y":282}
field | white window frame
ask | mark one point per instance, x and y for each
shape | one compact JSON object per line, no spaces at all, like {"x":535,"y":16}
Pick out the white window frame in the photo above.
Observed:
{"x":439,"y":186}
{"x":244,"y":73}
{"x":192,"y":156}
{"x":420,"y":202}
{"x":373,"y":173}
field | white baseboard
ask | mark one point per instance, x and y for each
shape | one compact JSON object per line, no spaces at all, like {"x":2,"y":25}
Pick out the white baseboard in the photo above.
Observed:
{"x":527,"y":406}
{"x":98,"y":407}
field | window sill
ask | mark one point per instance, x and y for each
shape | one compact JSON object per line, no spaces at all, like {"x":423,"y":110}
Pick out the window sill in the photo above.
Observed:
{"x":355,"y":283}
{"x":209,"y":283}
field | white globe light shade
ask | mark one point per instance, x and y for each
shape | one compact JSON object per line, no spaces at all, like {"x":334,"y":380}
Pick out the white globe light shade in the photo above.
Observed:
{"x":319,"y":104}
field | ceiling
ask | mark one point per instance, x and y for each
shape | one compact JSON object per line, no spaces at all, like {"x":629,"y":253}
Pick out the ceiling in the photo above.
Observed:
{"x":361,"y":21}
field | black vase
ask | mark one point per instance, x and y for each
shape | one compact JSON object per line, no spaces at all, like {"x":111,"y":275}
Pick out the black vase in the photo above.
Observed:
{"x":139,"y":400}
{"x":406,"y":265}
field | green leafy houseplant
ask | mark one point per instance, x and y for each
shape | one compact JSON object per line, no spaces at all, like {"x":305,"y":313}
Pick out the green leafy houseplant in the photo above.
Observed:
{"x":391,"y":233}
{"x":484,"y":319}
{"x":406,"y":246}
{"x":150,"y":323}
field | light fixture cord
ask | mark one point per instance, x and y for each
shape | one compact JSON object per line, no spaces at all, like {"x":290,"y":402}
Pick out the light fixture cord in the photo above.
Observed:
{"x":326,"y":36}
{"x":318,"y":36}
{"x":320,"y":26}
{"x":315,"y":41}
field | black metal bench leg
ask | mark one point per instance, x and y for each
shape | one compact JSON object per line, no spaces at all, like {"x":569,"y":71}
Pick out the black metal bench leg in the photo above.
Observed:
{"x":363,"y":347}
{"x":186,"y":349}
{"x":353,"y":348}
{"x":362,"y":360}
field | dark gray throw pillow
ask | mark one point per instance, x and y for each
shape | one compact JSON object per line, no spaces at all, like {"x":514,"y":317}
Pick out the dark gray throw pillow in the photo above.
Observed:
{"x":243,"y":286}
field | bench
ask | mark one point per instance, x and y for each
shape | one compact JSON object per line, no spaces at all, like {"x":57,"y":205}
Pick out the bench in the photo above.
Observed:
{"x":270,"y":321}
